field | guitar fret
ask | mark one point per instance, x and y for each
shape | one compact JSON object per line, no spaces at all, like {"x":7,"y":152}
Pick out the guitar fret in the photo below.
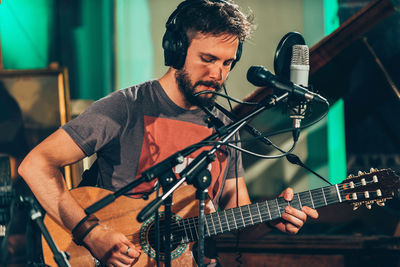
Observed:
{"x":227,"y":221}
{"x":223,"y":222}
{"x":234,"y":220}
{"x":337,"y":190}
{"x":215,"y":218}
{"x":212,"y":222}
{"x":311,"y":198}
{"x":247,"y":215}
{"x":238,"y":214}
{"x":277,"y":204}
{"x":195,"y":228}
{"x":282,"y":204}
{"x":255,"y":216}
{"x":220,"y":224}
{"x":190,"y":229}
{"x":332,"y":196}
{"x":184,"y":228}
{"x":274,"y":209}
{"x":269,"y":211}
{"x":206,"y":223}
{"x":306,"y":201}
{"x":318,"y":200}
{"x":241,"y":215}
{"x":301,"y":205}
{"x":295,"y":203}
{"x":259,"y":212}
{"x":251,"y":217}
{"x":323,"y":194}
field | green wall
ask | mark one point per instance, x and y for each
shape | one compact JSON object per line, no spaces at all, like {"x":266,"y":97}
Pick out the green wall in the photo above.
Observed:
{"x":25,"y":30}
{"x":336,"y":129}
{"x":134,"y":45}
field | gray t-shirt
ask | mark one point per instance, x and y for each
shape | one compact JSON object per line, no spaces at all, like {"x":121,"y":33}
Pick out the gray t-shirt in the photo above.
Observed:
{"x":133,"y":129}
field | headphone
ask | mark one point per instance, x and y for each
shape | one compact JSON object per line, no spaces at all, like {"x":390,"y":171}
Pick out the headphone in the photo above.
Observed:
{"x":175,"y":42}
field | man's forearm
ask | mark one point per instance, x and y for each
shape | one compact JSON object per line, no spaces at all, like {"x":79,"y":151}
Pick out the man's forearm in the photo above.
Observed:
{"x":49,"y":188}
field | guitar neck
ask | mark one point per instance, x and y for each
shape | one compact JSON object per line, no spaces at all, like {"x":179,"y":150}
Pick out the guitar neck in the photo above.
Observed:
{"x":244,"y":216}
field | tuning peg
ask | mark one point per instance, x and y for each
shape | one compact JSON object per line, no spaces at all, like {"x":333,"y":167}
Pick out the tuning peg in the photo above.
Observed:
{"x":350,"y":176}
{"x":379,"y":193}
{"x":372,"y":170}
{"x":368,"y":205}
{"x":356,"y":205}
{"x":360,"y":173}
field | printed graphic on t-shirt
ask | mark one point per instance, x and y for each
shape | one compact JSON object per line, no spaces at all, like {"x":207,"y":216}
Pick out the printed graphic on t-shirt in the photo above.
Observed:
{"x":163,"y":137}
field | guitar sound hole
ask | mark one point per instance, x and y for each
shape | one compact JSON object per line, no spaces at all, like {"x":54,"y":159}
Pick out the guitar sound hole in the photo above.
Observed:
{"x":176,"y":237}
{"x":148,"y":237}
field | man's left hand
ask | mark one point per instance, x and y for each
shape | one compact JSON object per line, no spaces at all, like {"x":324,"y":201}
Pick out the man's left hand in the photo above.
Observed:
{"x":293,"y":219}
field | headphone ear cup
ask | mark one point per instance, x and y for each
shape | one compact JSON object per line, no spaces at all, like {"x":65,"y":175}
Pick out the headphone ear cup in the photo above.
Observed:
{"x":181,"y":50}
{"x":175,"y":45}
{"x":169,"y":47}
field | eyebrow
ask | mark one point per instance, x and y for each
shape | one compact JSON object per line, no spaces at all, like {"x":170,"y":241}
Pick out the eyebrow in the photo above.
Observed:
{"x":213,"y":57}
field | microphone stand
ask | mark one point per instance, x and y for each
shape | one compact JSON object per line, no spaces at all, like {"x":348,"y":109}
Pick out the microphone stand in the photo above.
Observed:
{"x":195,"y":174}
{"x":61,"y":258}
{"x":166,"y":181}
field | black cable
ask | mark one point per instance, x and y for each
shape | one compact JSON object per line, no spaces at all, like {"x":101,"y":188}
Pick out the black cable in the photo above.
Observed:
{"x":284,"y":130}
{"x":273,"y":133}
{"x":264,"y":156}
{"x":249,"y":128}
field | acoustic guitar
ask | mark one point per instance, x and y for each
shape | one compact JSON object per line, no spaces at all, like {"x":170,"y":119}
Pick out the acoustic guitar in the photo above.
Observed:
{"x":366,"y":188}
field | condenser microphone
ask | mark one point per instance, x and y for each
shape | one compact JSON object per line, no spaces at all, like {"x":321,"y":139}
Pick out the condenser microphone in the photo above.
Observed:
{"x":299,"y":72}
{"x":260,"y":76}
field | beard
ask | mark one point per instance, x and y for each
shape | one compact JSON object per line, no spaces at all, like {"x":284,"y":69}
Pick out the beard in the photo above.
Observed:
{"x":188,"y":89}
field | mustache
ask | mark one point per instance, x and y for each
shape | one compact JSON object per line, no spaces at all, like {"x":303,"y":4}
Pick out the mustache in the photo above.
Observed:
{"x":212,"y":84}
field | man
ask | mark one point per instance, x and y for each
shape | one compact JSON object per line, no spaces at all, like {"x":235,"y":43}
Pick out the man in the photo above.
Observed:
{"x":133,"y":129}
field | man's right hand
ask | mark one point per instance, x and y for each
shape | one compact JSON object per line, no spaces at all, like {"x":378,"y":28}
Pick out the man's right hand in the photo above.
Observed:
{"x":111,"y":247}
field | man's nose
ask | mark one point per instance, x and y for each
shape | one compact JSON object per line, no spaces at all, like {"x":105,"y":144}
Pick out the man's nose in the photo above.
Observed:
{"x":216,"y":72}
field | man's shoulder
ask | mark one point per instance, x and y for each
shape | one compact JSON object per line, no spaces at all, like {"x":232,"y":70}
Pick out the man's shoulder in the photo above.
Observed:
{"x":145,"y":87}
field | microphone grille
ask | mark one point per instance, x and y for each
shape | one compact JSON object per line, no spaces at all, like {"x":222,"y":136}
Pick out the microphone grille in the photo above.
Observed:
{"x":300,"y":55}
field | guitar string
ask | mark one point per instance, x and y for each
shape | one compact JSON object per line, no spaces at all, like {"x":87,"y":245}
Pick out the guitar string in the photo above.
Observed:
{"x":316,"y":198}
{"x":249,"y":220}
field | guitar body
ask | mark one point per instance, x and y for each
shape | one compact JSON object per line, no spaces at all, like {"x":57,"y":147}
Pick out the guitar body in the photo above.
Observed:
{"x":121,"y":216}
{"x":375,"y":186}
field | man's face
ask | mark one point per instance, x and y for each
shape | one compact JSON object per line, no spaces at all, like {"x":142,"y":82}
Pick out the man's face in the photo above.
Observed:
{"x":208,"y":62}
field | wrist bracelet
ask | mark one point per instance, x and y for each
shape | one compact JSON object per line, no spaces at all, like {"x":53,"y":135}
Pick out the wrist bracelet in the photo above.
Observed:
{"x":83,"y":228}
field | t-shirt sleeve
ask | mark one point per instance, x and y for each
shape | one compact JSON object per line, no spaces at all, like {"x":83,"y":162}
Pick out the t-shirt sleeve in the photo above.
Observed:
{"x":100,"y":124}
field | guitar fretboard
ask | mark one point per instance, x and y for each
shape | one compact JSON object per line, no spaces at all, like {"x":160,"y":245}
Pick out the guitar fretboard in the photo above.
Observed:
{"x":244,"y":216}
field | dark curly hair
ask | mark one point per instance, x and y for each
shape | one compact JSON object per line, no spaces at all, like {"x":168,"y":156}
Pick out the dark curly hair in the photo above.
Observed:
{"x":214,"y":17}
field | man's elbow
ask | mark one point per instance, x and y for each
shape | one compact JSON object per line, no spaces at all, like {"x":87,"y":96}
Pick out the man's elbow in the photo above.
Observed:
{"x":25,"y":166}
{"x":31,"y":163}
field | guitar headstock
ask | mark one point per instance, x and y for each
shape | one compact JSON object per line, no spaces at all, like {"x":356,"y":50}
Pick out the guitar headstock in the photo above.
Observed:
{"x":376,"y":186}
